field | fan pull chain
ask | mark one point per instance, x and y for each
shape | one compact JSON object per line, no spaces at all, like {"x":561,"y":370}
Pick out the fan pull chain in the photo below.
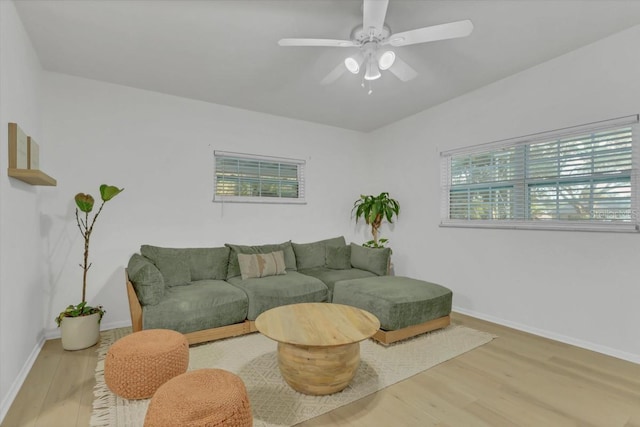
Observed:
{"x":370,"y":91}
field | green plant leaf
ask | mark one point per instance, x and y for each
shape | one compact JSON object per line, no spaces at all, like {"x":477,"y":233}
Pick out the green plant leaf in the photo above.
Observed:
{"x":374,"y":209}
{"x":81,"y":309}
{"x":84,"y":202}
{"x":108,"y":192}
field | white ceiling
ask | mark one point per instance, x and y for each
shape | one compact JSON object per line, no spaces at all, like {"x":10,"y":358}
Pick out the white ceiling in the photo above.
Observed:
{"x":226,"y":52}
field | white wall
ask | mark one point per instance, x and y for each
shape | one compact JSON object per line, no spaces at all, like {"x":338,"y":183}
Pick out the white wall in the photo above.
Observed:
{"x":573,"y":286}
{"x":160,"y":149}
{"x":577,"y":287}
{"x":22,"y":275}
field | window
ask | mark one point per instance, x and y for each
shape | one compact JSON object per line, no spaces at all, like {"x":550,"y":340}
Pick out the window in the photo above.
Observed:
{"x":258,"y":179}
{"x":581,"y":178}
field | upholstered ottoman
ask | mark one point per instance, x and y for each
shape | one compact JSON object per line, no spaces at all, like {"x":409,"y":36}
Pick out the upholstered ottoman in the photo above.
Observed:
{"x":136,"y":365}
{"x":405,"y":307}
{"x":201,"y":398}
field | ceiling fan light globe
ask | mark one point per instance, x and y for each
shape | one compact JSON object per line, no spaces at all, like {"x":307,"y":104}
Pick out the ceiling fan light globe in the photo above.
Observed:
{"x":352,"y":65}
{"x":386,"y":60}
{"x":372,"y":72}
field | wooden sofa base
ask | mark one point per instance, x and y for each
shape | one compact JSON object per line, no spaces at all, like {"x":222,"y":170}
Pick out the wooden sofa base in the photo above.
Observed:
{"x":388,"y":337}
{"x":246,"y":327}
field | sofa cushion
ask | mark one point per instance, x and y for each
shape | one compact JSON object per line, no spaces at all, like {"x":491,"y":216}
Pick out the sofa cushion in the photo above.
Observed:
{"x":146,"y":279}
{"x":208,"y":263}
{"x":173,"y":263}
{"x":330,"y":276}
{"x":311,"y":255}
{"x":338,"y":257}
{"x":398,"y":302}
{"x":375,"y":260}
{"x":202,"y":305}
{"x":261,"y":265}
{"x":273,"y":291}
{"x":234,"y":268}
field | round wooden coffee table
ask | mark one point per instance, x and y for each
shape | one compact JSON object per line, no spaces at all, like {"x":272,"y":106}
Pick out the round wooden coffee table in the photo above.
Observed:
{"x":318,"y":343}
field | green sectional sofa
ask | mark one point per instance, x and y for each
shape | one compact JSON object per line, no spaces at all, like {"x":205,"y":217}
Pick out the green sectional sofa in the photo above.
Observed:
{"x":201,"y":292}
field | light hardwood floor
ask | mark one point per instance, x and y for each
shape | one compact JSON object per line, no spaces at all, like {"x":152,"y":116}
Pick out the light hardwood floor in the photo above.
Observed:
{"x":517,"y":379}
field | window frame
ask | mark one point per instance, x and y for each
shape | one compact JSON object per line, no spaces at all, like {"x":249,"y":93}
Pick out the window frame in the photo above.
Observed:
{"x":300,"y":166}
{"x":523,"y":184}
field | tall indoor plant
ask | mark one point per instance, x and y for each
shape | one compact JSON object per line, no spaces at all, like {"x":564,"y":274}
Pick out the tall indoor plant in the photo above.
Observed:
{"x":80,"y":324}
{"x":374,"y":209}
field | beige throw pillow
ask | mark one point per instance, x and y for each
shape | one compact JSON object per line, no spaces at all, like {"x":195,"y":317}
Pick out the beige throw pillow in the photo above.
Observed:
{"x":261,"y":265}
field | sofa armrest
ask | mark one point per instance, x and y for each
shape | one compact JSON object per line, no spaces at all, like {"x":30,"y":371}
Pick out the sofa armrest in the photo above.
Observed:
{"x":135,"y":309}
{"x":147,"y":280}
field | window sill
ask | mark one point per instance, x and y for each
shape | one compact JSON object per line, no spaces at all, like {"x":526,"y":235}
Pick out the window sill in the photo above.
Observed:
{"x":545,"y":225}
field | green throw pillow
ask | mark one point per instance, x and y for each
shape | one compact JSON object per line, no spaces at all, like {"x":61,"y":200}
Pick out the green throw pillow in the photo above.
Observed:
{"x":146,"y":280}
{"x":338,"y":257}
{"x":375,"y":260}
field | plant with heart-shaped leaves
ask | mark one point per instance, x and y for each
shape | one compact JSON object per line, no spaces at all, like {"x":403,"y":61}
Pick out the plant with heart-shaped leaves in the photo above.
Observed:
{"x":84,"y":204}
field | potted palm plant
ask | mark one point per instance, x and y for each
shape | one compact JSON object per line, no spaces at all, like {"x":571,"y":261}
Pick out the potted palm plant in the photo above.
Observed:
{"x":80,"y":324}
{"x":374,"y":209}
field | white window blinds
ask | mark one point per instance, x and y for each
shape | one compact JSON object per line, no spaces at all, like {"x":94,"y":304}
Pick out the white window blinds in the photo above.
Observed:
{"x":581,"y":178}
{"x":258,"y":179}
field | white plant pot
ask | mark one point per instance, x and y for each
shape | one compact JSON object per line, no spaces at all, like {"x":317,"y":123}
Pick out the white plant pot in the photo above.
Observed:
{"x":80,"y":332}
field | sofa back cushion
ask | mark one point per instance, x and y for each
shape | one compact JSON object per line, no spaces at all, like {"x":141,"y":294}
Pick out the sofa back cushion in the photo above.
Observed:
{"x":375,"y":260}
{"x":338,"y":257}
{"x":173,"y":264}
{"x":234,"y":268}
{"x":181,"y":266}
{"x":261,"y":265}
{"x":208,"y":263}
{"x":312,"y":255}
{"x":146,"y":279}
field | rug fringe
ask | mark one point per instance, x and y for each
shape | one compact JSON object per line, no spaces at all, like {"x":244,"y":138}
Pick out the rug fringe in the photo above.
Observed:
{"x":103,"y":398}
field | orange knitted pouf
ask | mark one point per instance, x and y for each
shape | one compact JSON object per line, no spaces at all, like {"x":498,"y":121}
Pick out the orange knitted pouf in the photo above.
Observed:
{"x":201,"y":398}
{"x":136,"y":365}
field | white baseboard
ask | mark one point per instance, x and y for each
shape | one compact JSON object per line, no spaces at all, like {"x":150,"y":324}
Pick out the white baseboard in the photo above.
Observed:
{"x":54,"y":333}
{"x":635,"y":358}
{"x":22,"y":375}
{"x":115,"y":325}
{"x":28,"y":364}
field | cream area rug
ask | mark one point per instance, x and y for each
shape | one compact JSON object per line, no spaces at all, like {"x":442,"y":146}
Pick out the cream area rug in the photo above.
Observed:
{"x":253,"y":358}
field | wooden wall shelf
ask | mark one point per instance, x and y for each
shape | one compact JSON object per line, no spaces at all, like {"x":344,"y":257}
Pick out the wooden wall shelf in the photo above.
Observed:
{"x":32,"y":176}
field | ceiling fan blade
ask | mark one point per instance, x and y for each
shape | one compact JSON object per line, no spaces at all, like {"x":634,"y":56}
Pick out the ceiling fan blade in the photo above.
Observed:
{"x":316,"y":42}
{"x":429,"y":34}
{"x":334,"y":74}
{"x":374,"y":12}
{"x":402,"y":70}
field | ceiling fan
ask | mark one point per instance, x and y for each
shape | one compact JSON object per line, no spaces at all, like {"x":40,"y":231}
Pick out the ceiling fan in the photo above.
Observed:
{"x":373,"y":39}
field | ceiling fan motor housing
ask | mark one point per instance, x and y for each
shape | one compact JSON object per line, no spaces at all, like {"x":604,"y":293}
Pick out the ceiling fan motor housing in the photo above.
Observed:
{"x":361,"y":35}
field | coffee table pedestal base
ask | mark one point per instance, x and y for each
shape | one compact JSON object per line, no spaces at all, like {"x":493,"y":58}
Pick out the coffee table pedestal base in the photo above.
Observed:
{"x":318,"y":370}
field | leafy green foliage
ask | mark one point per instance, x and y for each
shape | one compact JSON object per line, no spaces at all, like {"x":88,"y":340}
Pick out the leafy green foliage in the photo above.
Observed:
{"x":108,"y":192}
{"x":373,"y":244}
{"x":84,"y":202}
{"x":81,"y":309}
{"x":374,"y":209}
